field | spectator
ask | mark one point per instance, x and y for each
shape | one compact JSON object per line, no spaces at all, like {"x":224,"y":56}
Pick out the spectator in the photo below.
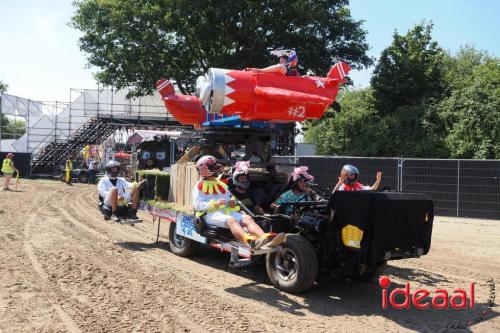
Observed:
{"x":93,"y":166}
{"x":8,"y":169}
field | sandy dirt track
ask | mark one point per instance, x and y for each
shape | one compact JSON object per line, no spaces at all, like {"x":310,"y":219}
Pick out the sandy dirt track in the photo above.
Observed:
{"x":64,"y":269}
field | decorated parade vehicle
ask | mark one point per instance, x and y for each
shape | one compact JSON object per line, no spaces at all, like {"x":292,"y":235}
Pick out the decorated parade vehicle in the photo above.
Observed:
{"x":344,"y":234}
{"x":350,"y":234}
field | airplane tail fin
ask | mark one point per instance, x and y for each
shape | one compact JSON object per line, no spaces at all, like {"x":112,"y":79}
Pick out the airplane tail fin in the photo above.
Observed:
{"x":339,"y":71}
{"x":165,"y":87}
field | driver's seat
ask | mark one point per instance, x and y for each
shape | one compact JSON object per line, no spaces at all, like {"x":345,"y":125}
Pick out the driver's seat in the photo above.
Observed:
{"x":107,"y":211}
{"x":210,"y":231}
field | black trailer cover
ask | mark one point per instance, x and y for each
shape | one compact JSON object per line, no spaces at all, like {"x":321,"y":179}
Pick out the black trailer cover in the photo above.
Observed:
{"x":390,"y":221}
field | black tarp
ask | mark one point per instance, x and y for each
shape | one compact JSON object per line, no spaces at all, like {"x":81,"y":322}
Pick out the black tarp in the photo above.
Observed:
{"x":389,"y":221}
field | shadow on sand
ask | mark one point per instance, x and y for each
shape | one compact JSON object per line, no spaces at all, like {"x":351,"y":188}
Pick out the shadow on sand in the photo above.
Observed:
{"x":331,"y":297}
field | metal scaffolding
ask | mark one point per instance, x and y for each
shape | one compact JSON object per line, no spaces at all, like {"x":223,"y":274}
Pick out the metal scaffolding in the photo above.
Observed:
{"x":56,"y":131}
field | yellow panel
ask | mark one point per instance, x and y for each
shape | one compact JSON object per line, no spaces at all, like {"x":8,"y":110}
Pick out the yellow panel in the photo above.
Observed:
{"x":351,"y":236}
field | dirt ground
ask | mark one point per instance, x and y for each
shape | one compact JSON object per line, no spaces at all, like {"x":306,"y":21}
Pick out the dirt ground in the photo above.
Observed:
{"x":64,"y":269}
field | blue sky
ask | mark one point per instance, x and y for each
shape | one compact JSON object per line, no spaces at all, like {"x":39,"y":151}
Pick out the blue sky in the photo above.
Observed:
{"x":40,"y":58}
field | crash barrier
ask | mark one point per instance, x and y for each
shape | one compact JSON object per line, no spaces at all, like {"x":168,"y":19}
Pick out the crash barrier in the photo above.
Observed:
{"x":21,"y":161}
{"x":157,"y":184}
{"x":461,"y":188}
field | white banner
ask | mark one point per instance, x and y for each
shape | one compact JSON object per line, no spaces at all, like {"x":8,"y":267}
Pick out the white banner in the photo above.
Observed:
{"x":21,"y":107}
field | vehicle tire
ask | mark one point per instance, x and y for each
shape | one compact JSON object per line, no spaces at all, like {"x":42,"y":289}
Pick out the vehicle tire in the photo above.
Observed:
{"x":181,"y":246}
{"x":295,"y":268}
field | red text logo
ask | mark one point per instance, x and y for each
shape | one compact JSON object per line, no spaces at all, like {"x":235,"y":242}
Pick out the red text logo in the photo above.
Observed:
{"x":439,"y":299}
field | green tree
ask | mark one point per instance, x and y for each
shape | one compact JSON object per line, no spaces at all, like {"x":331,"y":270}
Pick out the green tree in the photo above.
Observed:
{"x":471,"y":112}
{"x":13,"y":129}
{"x":407,"y":81}
{"x":4,"y":121}
{"x":10,"y":128}
{"x":397,"y":115}
{"x":136,"y":42}
{"x":3,"y":87}
{"x":345,"y":131}
{"x":409,"y":71}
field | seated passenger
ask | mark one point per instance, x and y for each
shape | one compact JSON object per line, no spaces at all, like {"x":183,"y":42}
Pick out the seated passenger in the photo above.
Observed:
{"x":239,"y":187}
{"x":299,"y":190}
{"x":287,"y":64}
{"x":117,"y":192}
{"x":348,"y":180}
{"x":212,"y":196}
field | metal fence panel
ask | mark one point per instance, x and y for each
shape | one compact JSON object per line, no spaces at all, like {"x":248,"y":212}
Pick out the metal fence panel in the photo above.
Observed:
{"x":479,"y":189}
{"x":327,"y":169}
{"x":284,"y":160}
{"x":462,"y":188}
{"x":438,"y":178}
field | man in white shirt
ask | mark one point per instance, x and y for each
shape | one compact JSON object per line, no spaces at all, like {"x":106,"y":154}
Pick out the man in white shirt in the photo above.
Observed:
{"x":93,"y":167}
{"x":117,"y":192}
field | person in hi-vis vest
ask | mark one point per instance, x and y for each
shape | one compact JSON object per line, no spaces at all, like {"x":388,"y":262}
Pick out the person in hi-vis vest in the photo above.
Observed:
{"x":68,"y":168}
{"x":8,"y":169}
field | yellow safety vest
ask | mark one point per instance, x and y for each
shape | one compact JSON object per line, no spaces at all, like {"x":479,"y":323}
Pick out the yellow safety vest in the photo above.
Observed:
{"x":69,"y":167}
{"x":6,"y":167}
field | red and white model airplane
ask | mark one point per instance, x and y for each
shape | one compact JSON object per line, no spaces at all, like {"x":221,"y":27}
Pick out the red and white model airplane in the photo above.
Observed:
{"x":254,"y":96}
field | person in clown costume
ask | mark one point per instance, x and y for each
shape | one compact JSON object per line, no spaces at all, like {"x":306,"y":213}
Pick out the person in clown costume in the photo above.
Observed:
{"x":287,"y":64}
{"x":212,"y":197}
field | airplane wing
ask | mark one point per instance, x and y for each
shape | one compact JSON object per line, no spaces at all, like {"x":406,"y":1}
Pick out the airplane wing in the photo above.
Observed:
{"x":289,"y":96}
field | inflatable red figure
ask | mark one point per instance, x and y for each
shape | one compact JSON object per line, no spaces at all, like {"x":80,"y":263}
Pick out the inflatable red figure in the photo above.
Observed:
{"x":254,"y":96}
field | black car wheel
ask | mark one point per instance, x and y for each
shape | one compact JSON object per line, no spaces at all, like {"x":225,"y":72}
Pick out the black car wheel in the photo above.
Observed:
{"x":182,"y":246}
{"x":295,"y":268}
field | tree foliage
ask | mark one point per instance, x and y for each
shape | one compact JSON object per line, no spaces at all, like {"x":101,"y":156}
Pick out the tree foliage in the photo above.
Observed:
{"x":3,"y":119}
{"x":10,"y":128}
{"x":409,"y":71}
{"x":3,"y":87}
{"x":341,"y":132}
{"x":471,"y":112}
{"x":135,"y":42}
{"x":422,"y":103}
